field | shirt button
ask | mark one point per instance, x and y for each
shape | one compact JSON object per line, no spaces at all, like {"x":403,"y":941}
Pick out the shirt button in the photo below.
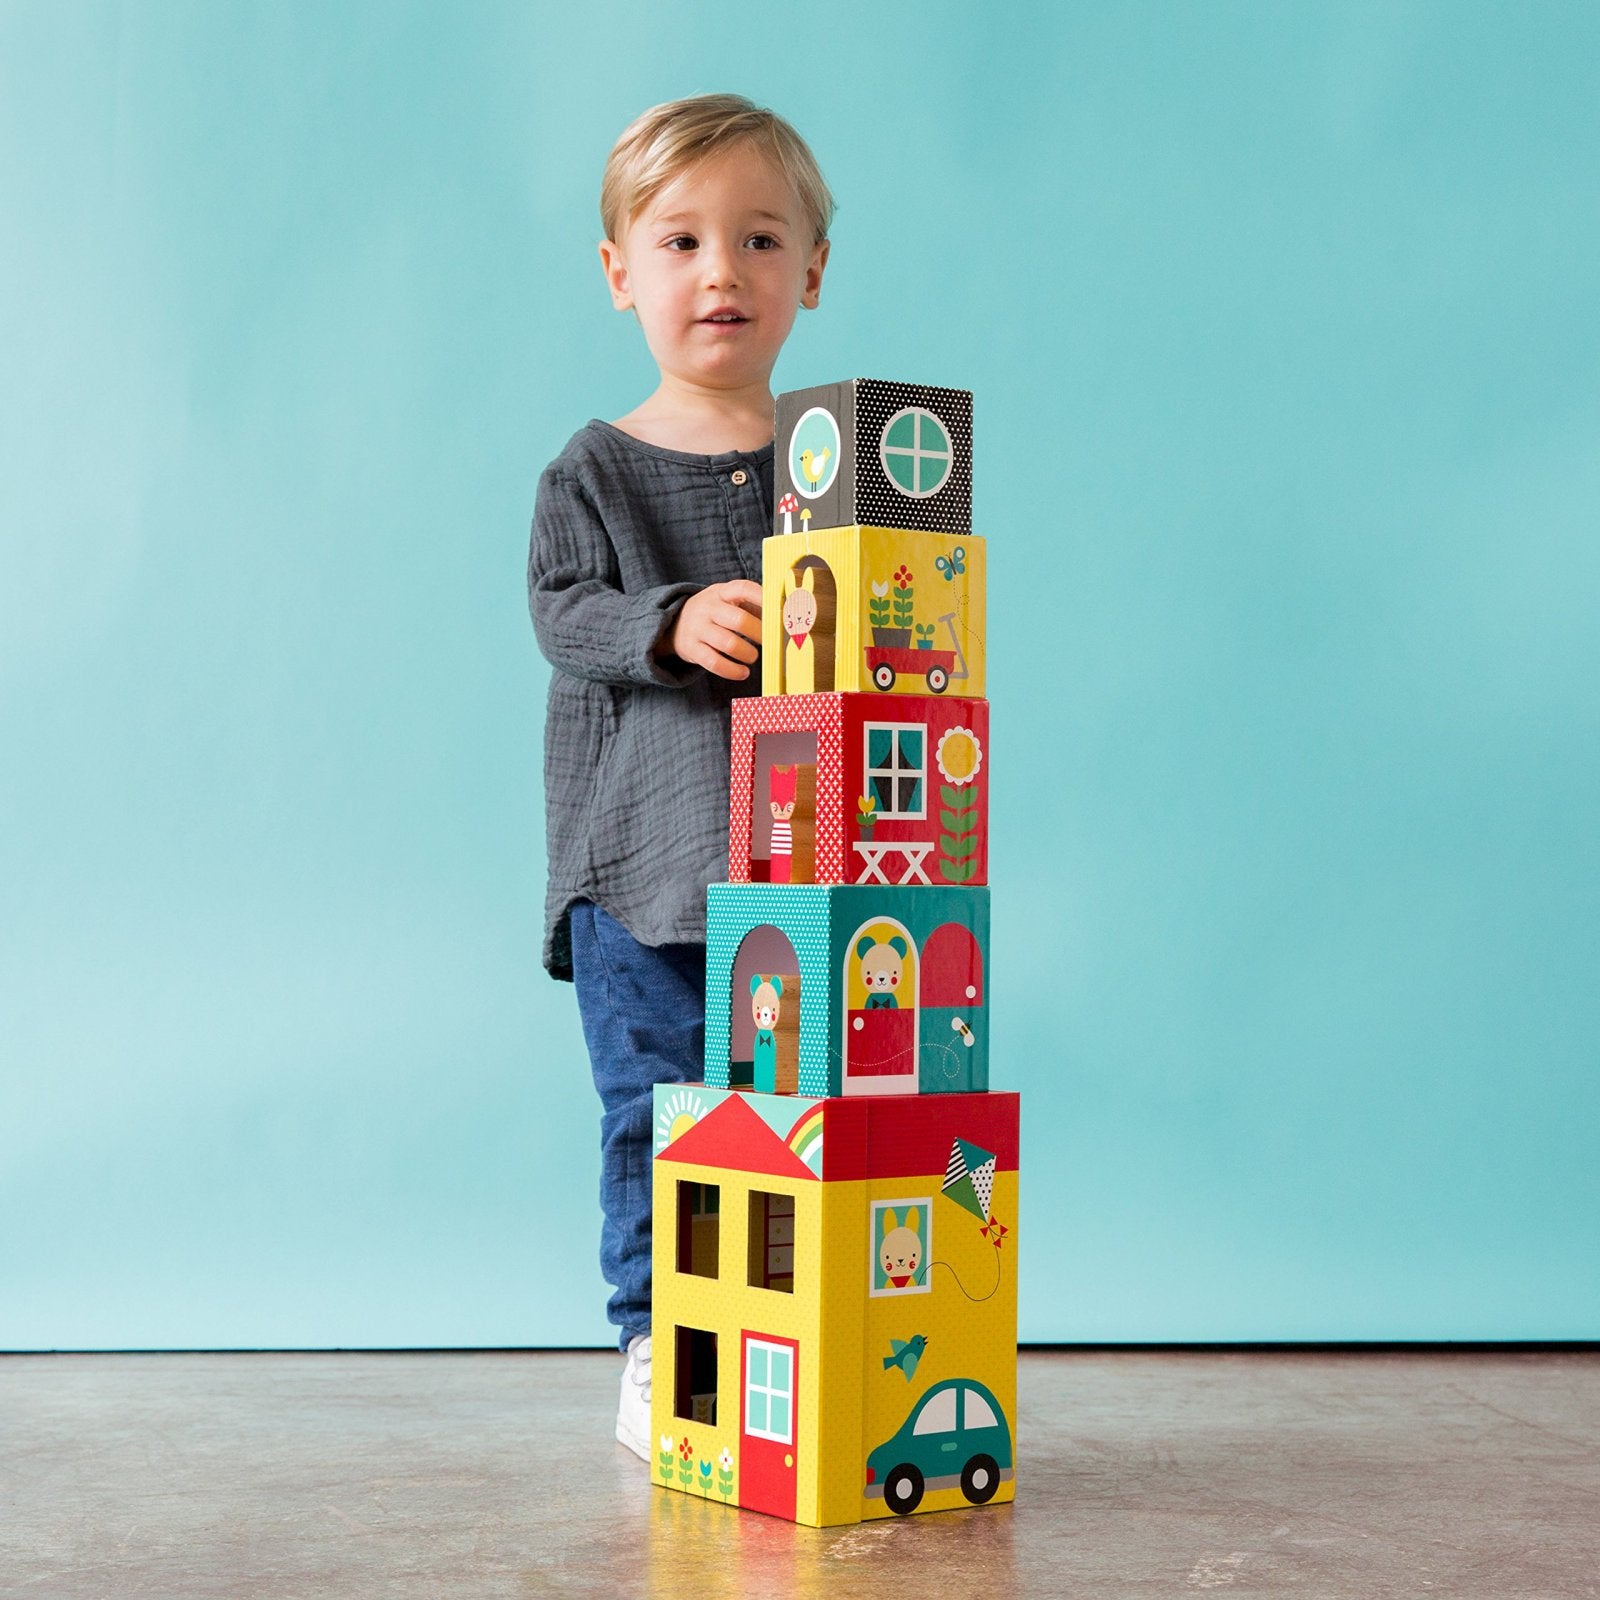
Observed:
{"x":741,"y":477}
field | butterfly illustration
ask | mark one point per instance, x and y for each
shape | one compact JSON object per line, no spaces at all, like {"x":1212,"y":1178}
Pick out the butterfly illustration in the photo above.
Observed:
{"x":955,"y":562}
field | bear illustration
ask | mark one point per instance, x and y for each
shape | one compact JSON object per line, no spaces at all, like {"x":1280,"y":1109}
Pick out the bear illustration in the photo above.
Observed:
{"x":881,"y":969}
{"x":765,"y":994}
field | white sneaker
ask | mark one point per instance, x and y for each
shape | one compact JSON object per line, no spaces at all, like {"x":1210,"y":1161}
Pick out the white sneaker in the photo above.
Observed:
{"x":633,"y":1409}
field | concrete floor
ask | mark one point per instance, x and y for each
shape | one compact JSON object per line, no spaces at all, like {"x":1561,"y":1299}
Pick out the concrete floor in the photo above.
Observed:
{"x":1141,"y":1473}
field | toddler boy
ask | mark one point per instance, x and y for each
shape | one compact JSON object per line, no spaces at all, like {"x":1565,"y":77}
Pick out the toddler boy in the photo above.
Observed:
{"x":644,"y":584}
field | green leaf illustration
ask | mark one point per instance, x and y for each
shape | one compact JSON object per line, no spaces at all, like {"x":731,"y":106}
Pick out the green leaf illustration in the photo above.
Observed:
{"x":954,"y":872}
{"x":958,"y":849}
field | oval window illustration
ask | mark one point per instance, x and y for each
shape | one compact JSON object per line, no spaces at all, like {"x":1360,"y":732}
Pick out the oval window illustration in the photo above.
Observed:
{"x":814,"y":452}
{"x":916,"y":452}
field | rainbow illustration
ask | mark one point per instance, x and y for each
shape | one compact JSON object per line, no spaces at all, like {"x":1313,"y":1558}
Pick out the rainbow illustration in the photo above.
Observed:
{"x":805,"y":1138}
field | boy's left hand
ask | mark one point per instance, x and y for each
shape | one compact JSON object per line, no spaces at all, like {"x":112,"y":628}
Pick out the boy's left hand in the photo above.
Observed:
{"x":719,"y":629}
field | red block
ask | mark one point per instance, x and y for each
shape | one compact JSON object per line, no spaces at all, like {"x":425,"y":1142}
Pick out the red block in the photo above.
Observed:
{"x":922,"y":760}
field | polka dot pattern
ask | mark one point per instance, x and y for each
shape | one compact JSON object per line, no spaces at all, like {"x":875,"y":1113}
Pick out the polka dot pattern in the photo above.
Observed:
{"x":822,"y":714}
{"x":802,"y":911}
{"x":878,"y":499}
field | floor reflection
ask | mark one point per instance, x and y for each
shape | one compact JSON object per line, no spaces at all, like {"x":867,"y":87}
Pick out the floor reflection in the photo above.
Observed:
{"x":735,"y":1554}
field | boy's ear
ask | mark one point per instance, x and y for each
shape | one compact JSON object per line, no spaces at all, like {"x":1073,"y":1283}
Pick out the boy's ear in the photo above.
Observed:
{"x":616,"y":271}
{"x":813,"y":287}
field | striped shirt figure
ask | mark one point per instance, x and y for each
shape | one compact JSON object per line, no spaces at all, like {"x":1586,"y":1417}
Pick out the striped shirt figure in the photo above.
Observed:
{"x":784,"y":781}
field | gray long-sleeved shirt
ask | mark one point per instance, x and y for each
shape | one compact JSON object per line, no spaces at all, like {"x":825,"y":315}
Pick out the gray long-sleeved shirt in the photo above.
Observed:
{"x":636,"y":745}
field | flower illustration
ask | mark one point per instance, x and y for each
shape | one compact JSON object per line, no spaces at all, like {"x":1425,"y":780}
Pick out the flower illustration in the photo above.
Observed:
{"x":902,"y":577}
{"x":879,"y":590}
{"x":959,"y":755}
{"x":725,"y":1460}
{"x":666,"y":1444}
{"x":686,"y":1450}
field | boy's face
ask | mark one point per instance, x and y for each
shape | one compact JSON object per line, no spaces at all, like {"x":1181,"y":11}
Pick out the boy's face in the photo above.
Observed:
{"x":715,"y":267}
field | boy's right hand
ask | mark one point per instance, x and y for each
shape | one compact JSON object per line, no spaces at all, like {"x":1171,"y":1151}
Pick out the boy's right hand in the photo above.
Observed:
{"x":719,"y":628}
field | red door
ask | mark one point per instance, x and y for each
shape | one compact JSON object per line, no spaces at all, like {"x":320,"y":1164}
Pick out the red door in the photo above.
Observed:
{"x":768,"y":1388}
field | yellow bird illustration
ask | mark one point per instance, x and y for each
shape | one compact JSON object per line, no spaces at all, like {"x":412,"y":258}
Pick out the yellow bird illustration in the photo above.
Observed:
{"x":814,"y":464}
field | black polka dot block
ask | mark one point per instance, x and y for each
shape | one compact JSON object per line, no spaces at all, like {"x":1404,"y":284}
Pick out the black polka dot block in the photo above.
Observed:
{"x":866,"y":451}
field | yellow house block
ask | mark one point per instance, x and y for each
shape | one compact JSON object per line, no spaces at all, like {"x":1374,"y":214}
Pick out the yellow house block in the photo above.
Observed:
{"x":861,"y":608}
{"x":835,"y":1301}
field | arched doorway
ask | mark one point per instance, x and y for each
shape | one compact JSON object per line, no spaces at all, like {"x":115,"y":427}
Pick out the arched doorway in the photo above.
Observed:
{"x":810,"y":624}
{"x":879,"y":985}
{"x":764,"y":1013}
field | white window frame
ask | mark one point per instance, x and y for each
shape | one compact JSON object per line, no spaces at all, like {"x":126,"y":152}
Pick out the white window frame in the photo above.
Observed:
{"x":895,"y":771}
{"x":786,"y":1395}
{"x":924,"y":1204}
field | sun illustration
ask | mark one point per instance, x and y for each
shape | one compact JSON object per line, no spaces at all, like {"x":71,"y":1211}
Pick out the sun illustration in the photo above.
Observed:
{"x":679,"y":1113}
{"x":959,"y":755}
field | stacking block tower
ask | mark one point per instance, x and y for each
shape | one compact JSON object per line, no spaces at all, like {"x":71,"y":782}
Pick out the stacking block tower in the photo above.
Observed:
{"x":835,"y":1290}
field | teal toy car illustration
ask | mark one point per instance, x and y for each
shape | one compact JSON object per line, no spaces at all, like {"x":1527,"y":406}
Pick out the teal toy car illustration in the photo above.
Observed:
{"x":955,"y":1437}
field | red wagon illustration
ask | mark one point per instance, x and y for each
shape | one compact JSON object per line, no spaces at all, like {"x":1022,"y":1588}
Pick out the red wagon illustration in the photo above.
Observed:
{"x":888,"y":658}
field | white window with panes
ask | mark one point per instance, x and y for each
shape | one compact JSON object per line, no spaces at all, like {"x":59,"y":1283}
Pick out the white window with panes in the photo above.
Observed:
{"x":769,"y":1391}
{"x":897,"y":769}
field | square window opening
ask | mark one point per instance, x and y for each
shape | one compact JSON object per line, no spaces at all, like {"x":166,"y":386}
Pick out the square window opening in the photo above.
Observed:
{"x":772,"y":1220}
{"x":694,"y":1396}
{"x":783,"y":798}
{"x":699,"y":1228}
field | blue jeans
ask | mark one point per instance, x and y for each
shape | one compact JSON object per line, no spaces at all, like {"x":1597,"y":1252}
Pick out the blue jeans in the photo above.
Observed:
{"x":644,"y":1020}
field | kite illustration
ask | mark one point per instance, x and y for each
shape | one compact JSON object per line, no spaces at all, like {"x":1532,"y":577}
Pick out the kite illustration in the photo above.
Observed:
{"x":969,"y":1178}
{"x":969,"y":1181}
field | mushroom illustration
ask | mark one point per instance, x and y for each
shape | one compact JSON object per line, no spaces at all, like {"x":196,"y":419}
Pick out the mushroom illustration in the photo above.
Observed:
{"x":805,"y":520}
{"x":787,"y":508}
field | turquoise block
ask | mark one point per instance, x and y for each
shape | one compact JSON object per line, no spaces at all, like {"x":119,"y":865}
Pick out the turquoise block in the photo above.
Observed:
{"x":892,"y":983}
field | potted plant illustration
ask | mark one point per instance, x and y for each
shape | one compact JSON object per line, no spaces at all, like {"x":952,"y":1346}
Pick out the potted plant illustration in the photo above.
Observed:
{"x":924,"y":636}
{"x":890,"y":613}
{"x":866,"y":814}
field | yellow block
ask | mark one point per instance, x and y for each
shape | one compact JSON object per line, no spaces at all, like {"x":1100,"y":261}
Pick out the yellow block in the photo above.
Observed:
{"x":860,"y":608}
{"x":848,"y":1398}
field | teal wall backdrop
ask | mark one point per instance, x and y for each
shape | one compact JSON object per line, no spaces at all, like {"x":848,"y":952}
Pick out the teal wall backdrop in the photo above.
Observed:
{"x":1284,"y":331}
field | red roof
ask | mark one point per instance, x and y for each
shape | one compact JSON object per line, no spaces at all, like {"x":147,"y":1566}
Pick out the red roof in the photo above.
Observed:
{"x":731,"y":1135}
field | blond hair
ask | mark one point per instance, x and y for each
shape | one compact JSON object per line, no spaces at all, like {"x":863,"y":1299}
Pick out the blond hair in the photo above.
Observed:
{"x":668,"y":139}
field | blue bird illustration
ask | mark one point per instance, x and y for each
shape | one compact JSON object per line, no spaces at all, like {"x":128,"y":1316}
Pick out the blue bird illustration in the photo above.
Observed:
{"x":907,"y":1353}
